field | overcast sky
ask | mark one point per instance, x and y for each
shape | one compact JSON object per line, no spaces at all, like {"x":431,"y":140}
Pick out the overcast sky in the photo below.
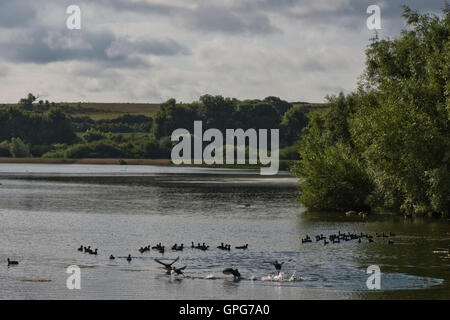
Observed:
{"x":152,"y":50}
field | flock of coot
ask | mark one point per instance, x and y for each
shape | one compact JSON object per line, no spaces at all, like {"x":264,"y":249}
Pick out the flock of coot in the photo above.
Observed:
{"x":343,"y":237}
{"x":170,"y":269}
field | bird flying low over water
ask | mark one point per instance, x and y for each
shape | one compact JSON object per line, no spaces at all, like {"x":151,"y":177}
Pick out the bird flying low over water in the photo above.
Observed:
{"x":234,"y":272}
{"x":277,"y":264}
{"x":178,"y":270}
{"x":168,"y":266}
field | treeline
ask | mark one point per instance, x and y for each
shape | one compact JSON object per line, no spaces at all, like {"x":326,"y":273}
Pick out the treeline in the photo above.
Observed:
{"x":387,"y":145}
{"x":24,"y":133}
{"x":223,"y":113}
{"x":124,"y":124}
{"x":44,"y":129}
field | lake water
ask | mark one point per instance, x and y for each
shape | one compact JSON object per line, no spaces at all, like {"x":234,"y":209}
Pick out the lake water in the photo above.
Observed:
{"x":48,"y":211}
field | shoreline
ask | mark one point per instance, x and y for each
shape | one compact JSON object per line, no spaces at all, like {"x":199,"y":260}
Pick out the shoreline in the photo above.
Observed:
{"x":284,"y":164}
{"x":100,"y":161}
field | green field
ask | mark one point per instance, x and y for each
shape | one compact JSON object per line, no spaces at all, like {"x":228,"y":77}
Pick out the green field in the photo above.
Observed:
{"x":98,"y":111}
{"x":311,"y":106}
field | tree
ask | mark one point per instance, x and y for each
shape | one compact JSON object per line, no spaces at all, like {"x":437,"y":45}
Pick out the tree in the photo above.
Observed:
{"x":93,"y":135}
{"x":256,"y":115}
{"x":27,"y":103}
{"x":392,"y":133}
{"x":281,"y":105}
{"x":294,"y":120}
{"x":4,"y":149}
{"x":172,"y":116}
{"x":57,"y":127}
{"x":402,"y":125}
{"x":18,"y":149}
{"x":36,"y":128}
{"x":216,"y":112}
{"x":332,"y":175}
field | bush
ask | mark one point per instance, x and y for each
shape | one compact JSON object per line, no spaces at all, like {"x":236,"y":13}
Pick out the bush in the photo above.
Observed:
{"x":4,"y":149}
{"x":333,"y":180}
{"x":290,"y":152}
{"x":388,"y":143}
{"x":56,"y":154}
{"x":19,"y":149}
{"x":93,"y":135}
{"x":39,"y":150}
{"x":96,"y":149}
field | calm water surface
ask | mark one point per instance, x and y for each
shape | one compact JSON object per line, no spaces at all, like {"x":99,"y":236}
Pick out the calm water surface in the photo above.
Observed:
{"x":48,"y":211}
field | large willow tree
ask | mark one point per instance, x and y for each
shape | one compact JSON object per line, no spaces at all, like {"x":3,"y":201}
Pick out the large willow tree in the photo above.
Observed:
{"x":388,"y":143}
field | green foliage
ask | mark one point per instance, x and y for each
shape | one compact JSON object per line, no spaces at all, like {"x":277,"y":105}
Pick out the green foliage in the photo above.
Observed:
{"x":93,"y":135}
{"x":403,"y":122}
{"x":39,"y":150}
{"x":280,"y":105}
{"x":27,"y":103}
{"x":332,"y":176}
{"x":127,"y":123}
{"x":394,"y":129}
{"x":54,"y":154}
{"x":4,"y":149}
{"x":216,"y":111}
{"x":255,"y":114}
{"x":294,"y":120}
{"x":335,"y":180}
{"x":50,"y":127}
{"x":19,"y":149}
{"x":290,"y":152}
{"x":173,"y":116}
{"x":95,"y":149}
{"x":224,"y":113}
{"x":50,"y":132}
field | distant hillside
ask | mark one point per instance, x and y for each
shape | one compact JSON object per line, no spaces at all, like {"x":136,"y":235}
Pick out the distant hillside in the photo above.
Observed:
{"x":98,"y":111}
{"x":112,"y":110}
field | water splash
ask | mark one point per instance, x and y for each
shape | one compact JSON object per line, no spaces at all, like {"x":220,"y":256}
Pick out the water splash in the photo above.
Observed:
{"x":282,"y":277}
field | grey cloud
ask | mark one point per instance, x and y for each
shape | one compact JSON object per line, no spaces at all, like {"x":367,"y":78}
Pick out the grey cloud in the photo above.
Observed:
{"x":313,"y":65}
{"x":43,"y":46}
{"x":220,"y":19}
{"x":247,"y":17}
{"x":159,"y":47}
{"x":252,"y":16}
{"x":107,"y":66}
{"x":350,"y":13}
{"x":332,"y":90}
{"x":203,"y":17}
{"x":3,"y":70}
{"x":391,"y":8}
{"x":16,"y":13}
{"x":140,"y":6}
